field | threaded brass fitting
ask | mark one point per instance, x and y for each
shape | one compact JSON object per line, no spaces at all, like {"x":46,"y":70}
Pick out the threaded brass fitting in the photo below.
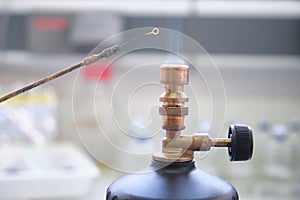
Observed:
{"x":179,"y":148}
{"x":173,"y":111}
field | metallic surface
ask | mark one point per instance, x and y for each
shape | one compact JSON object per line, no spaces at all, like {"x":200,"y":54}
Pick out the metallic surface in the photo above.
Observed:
{"x":175,"y":147}
{"x":85,"y":62}
{"x":174,"y":77}
{"x":42,"y":81}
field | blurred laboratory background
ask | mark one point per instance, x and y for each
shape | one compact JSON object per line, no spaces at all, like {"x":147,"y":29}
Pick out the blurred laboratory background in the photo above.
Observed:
{"x":49,"y":138}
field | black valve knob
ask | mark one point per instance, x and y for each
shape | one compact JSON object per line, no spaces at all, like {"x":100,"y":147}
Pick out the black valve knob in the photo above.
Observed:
{"x":241,"y":143}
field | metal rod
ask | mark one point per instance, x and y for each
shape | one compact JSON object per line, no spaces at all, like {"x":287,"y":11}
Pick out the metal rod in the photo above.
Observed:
{"x":40,"y":82}
{"x":220,"y":142}
{"x":85,"y":62}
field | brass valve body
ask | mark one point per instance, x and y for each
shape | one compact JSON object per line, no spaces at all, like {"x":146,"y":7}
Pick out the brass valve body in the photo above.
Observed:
{"x":174,"y":77}
{"x":173,"y":111}
{"x":178,"y":148}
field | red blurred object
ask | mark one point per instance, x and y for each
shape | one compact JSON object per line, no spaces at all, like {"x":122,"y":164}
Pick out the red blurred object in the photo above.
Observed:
{"x":50,"y":23}
{"x":99,"y":71}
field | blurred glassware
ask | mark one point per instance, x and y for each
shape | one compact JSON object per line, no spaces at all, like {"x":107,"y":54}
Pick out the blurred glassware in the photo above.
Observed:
{"x":31,"y":116}
{"x":280,"y":164}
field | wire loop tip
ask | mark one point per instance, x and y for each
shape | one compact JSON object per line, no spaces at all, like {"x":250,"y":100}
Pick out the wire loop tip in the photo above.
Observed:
{"x":155,"y":31}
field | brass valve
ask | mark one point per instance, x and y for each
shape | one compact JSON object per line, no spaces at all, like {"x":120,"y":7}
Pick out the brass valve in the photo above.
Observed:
{"x":179,"y":148}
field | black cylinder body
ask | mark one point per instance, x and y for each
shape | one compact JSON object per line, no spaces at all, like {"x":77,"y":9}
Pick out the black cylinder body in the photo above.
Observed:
{"x":180,"y":181}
